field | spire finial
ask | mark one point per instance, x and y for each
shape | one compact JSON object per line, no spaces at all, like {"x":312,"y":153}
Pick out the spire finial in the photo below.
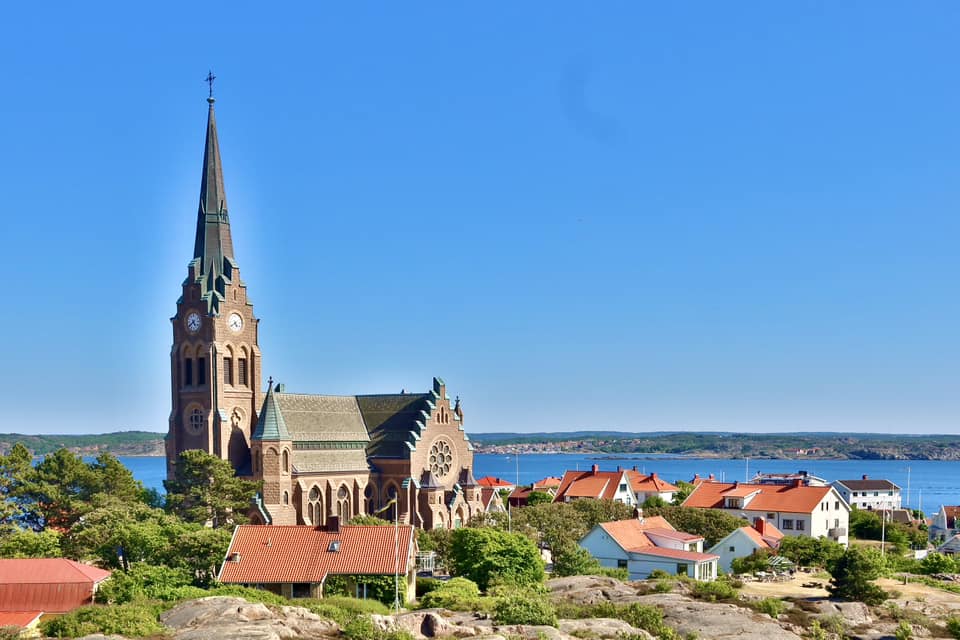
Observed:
{"x":210,"y":78}
{"x":270,"y":383}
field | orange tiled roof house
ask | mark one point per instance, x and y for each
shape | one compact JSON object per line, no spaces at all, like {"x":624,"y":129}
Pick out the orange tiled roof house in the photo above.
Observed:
{"x":746,"y":541}
{"x":296,"y":561}
{"x":35,"y":587}
{"x":794,"y":509}
{"x":642,"y":545}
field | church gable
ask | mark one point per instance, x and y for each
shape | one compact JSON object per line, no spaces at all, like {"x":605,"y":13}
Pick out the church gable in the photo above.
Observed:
{"x":394,"y":422}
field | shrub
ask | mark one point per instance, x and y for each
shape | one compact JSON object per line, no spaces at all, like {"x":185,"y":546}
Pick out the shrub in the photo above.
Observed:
{"x":131,"y":620}
{"x":250,"y":594}
{"x":853,"y":573}
{"x":904,"y":631}
{"x":519,"y":608}
{"x":618,"y":574}
{"x":143,"y":581}
{"x":817,"y":632}
{"x":426,"y":585}
{"x":10,"y":632}
{"x":953,"y":626}
{"x":456,"y":594}
{"x":663,"y":586}
{"x":937,"y":563}
{"x":773,"y":607}
{"x":488,"y":556}
{"x":713,"y":591}
{"x":658,"y":574}
{"x":360,"y":628}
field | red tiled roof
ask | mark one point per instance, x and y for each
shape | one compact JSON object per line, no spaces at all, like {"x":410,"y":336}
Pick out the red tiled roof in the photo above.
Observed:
{"x":22,"y":619}
{"x":300,"y":553}
{"x":672,"y":534}
{"x":741,"y":491}
{"x":677,"y":554}
{"x":952,"y":513}
{"x":764,"y":542}
{"x":645,"y":484}
{"x":487,"y":494}
{"x":549,"y":482}
{"x":773,"y":498}
{"x":631,"y":534}
{"x":490,"y":481}
{"x":589,"y":484}
{"x":51,"y":585}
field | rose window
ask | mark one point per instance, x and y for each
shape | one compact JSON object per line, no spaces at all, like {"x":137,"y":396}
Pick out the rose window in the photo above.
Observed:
{"x":441,"y":457}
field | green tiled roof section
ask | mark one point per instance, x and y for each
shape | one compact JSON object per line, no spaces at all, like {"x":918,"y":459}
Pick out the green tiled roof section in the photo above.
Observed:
{"x":317,"y":461}
{"x":271,"y":425}
{"x":394,"y":422}
{"x":316,"y":418}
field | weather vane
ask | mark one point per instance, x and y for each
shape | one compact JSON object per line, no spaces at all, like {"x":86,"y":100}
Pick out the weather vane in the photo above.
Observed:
{"x":210,"y":78}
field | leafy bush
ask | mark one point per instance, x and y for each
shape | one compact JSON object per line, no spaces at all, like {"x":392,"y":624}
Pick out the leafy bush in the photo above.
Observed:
{"x":759,"y":560}
{"x":938,"y":563}
{"x":853,"y":573}
{"x":617,"y":574}
{"x":904,"y":631}
{"x":131,"y":620}
{"x":360,"y":628}
{"x":487,"y":556}
{"x":953,"y":626}
{"x":10,"y":632}
{"x":658,"y":574}
{"x":250,"y":594}
{"x":663,"y":586}
{"x":426,"y":585}
{"x":456,"y":594}
{"x":144,"y":582}
{"x":520,"y":608}
{"x":773,"y":607}
{"x":713,"y":591}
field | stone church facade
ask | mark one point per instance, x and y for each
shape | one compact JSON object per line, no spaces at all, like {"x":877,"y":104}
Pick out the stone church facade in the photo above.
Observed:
{"x":400,"y":456}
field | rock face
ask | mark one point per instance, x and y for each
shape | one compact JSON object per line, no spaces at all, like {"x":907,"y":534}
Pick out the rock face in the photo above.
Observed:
{"x":591,"y":590}
{"x":224,"y":617}
{"x":601,"y":628}
{"x":854,"y":614}
{"x":717,"y":620}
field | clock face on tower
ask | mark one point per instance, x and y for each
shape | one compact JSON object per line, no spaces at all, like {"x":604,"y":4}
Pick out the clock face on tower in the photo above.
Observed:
{"x":193,"y":322}
{"x":235,"y":322}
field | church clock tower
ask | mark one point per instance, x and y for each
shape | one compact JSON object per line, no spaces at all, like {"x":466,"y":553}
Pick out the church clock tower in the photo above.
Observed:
{"x":215,"y":359}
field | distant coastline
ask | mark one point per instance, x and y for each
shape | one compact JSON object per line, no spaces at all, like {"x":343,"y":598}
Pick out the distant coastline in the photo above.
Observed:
{"x":607,"y":445}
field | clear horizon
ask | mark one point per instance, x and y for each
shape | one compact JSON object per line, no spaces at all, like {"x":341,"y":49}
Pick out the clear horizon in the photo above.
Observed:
{"x":641,"y":217}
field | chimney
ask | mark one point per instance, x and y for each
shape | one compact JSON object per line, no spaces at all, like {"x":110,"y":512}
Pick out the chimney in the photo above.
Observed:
{"x":640,"y":514}
{"x":797,"y":482}
{"x":736,"y":483}
{"x":696,"y":477}
{"x":595,"y":469}
{"x":712,"y":477}
{"x":654,"y":475}
{"x":864,"y":476}
{"x":234,"y":557}
{"x":619,"y":468}
{"x":333,"y":524}
{"x":760,"y":525}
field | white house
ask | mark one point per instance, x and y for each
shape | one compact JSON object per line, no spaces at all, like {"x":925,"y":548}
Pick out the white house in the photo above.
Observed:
{"x":796,"y":510}
{"x":746,"y":541}
{"x":597,"y":485}
{"x":649,"y":486}
{"x":642,"y":545}
{"x":869,"y":494}
{"x":944,"y":524}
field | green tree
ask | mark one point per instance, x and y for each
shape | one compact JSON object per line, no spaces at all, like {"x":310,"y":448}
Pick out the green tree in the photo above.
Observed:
{"x":202,"y":550}
{"x":14,"y":470}
{"x":364,"y":519}
{"x":118,"y":534}
{"x":488,"y":556}
{"x":938,"y":563}
{"x":205,"y":489}
{"x":759,"y":560}
{"x":810,"y":552}
{"x":438,"y":541}
{"x":685,"y":489}
{"x":653,"y":502}
{"x":27,"y":543}
{"x":852,"y":575}
{"x":574,"y":560}
{"x":594,"y":512}
{"x":538,"y":497}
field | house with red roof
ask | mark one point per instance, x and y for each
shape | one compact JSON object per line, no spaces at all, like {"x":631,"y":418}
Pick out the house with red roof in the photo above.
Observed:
{"x":596,"y":485}
{"x":33,"y":587}
{"x":745,"y":541}
{"x":549,"y":485}
{"x":492,"y":500}
{"x":296,"y":560}
{"x":643,"y":545}
{"x":945,"y":523}
{"x":795,"y":509}
{"x":492,"y":482}
{"x":648,"y":486}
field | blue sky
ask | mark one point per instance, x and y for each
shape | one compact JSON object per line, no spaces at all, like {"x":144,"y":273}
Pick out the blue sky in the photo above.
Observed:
{"x":614,"y":216}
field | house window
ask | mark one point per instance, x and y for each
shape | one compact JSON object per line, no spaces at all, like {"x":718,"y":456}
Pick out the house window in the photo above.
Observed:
{"x":786,"y":524}
{"x":201,"y":371}
{"x":889,"y":493}
{"x":621,"y":564}
{"x":681,"y":569}
{"x":771,"y":516}
{"x":732,"y":549}
{"x":876,"y":493}
{"x":188,"y":372}
{"x":228,"y":370}
{"x":836,"y":505}
{"x":800,"y":525}
{"x":242,"y":371}
{"x":836,"y":523}
{"x":623,"y":487}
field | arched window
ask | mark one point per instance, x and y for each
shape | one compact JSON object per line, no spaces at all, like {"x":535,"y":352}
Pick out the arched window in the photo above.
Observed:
{"x":195,"y":422}
{"x":286,"y":497}
{"x":315,"y":505}
{"x":188,"y":368}
{"x":286,"y":461}
{"x":228,"y":367}
{"x":242,"y":377}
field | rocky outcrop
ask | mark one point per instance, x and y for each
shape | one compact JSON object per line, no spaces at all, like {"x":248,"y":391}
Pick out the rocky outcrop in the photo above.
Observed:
{"x":591,"y":590}
{"x":602,"y":628}
{"x":225,"y":617}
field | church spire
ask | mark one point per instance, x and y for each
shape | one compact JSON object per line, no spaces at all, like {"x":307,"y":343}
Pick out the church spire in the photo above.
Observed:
{"x":213,"y":241}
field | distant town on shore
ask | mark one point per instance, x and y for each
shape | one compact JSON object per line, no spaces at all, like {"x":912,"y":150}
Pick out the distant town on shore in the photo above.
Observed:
{"x":815,"y":446}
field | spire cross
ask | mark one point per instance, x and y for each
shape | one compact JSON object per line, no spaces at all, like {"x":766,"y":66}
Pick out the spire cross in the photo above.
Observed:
{"x":210,"y":78}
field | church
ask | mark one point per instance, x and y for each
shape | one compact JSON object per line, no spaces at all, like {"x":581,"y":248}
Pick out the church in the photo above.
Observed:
{"x":400,"y":456}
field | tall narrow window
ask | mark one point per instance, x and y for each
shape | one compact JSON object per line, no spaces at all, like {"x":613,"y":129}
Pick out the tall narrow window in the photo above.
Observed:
{"x":242,"y":371}
{"x":286,"y":461}
{"x":201,"y":371}
{"x":188,"y":372}
{"x":228,"y":370}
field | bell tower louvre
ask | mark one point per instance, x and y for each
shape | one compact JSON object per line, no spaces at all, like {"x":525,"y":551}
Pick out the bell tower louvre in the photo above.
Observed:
{"x":215,"y":358}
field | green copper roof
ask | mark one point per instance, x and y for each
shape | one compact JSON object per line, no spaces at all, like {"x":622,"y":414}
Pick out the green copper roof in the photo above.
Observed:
{"x":271,"y":425}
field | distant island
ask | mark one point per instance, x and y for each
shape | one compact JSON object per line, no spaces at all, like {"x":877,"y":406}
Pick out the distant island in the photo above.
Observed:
{"x":119,"y":443}
{"x":780,"y":446}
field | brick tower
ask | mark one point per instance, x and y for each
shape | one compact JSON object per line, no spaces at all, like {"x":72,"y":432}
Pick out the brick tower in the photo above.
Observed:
{"x":215,"y":359}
